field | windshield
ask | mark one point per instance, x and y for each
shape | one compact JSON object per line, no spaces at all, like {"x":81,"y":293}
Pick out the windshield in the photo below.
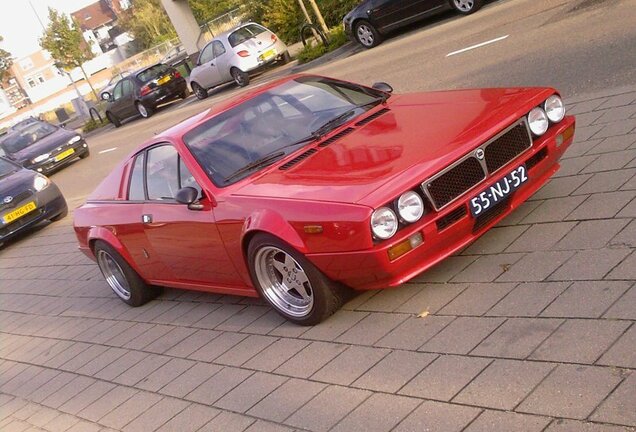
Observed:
{"x":153,"y":72}
{"x":7,"y":168}
{"x":26,"y":136}
{"x":273,"y":122}
{"x":244,"y":33}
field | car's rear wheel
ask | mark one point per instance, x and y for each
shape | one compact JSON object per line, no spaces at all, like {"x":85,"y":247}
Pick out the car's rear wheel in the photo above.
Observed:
{"x":466,"y":7}
{"x":184,"y":94}
{"x":286,"y":57}
{"x":366,"y":34}
{"x":113,"y":119}
{"x":199,"y":91}
{"x":240,"y":78}
{"x":121,"y":277}
{"x":143,"y":110}
{"x":290,"y":283}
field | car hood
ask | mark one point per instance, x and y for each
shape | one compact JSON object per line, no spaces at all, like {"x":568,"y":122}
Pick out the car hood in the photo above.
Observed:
{"x":47,"y":144}
{"x":15,"y":183}
{"x":419,"y":134}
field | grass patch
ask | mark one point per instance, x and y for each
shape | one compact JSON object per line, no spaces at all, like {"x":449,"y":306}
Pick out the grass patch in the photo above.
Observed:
{"x":92,"y":124}
{"x":337,"y":38}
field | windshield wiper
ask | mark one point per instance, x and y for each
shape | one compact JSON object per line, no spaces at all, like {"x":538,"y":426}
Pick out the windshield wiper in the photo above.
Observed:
{"x":258,"y":163}
{"x":337,"y":121}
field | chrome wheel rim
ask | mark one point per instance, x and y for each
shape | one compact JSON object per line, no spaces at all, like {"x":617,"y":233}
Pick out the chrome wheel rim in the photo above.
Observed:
{"x":113,"y":274}
{"x":199,"y":91}
{"x":142,"y":110}
{"x":365,"y":35}
{"x":238,"y":77}
{"x":464,"y":5}
{"x":283,"y":281}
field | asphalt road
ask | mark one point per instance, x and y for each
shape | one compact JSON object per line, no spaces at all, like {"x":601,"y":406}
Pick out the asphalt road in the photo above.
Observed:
{"x":577,"y":46}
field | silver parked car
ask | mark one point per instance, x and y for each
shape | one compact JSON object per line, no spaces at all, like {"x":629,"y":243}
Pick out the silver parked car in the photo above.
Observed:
{"x":233,"y":55}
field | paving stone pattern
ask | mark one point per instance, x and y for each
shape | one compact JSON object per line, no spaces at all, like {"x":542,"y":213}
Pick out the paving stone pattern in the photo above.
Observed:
{"x":531,"y":328}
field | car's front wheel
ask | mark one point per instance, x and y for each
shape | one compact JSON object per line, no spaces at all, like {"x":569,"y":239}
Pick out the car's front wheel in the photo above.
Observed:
{"x":366,"y":34}
{"x":143,"y":110}
{"x":240,"y":78}
{"x":121,"y":277}
{"x":199,"y":91}
{"x":466,"y":7}
{"x":291,"y":284}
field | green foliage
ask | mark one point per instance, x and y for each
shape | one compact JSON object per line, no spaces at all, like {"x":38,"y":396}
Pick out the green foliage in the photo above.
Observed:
{"x":148,"y":22}
{"x":207,"y":10}
{"x":64,"y":40}
{"x":337,"y":38}
{"x":6,"y":60}
{"x":91,"y":125}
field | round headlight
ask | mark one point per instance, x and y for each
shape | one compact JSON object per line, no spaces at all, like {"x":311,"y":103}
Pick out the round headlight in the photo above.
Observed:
{"x":40,"y":182}
{"x":384,"y":223}
{"x":538,"y":121}
{"x":410,"y":207}
{"x":554,"y":108}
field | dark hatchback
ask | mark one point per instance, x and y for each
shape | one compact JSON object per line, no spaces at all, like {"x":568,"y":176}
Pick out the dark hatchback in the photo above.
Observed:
{"x":26,"y":198}
{"x":43,"y":147}
{"x":372,"y":20}
{"x":143,"y":91}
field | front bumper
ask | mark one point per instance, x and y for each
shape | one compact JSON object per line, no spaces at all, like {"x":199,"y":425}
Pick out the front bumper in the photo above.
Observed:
{"x":372,"y":269}
{"x":46,"y":167}
{"x":49,"y":203}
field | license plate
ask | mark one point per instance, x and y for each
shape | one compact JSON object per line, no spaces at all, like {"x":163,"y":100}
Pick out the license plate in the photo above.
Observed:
{"x":269,"y":54}
{"x":64,"y":155}
{"x":498,"y":191}
{"x":19,"y":212}
{"x":163,"y":80}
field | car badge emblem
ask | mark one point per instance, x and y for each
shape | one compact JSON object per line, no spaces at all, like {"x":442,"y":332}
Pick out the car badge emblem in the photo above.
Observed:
{"x":479,"y":154}
{"x":7,"y":199}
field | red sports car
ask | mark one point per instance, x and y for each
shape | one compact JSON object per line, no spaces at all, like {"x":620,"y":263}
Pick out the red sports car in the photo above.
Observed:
{"x":308,"y":186}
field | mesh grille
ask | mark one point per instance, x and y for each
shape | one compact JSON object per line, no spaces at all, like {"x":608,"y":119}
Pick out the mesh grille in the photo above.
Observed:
{"x":489,"y":216}
{"x":294,"y":161}
{"x":16,"y":200}
{"x":507,"y":147}
{"x":336,"y":137}
{"x":536,"y":158}
{"x":372,"y":117}
{"x":451,"y":218}
{"x":455,"y":181}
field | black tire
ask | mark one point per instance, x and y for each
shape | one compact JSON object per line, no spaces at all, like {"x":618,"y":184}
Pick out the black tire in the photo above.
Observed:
{"x":327,"y":296}
{"x":199,"y":91}
{"x":184,"y":94}
{"x":113,"y":119}
{"x":86,"y":154}
{"x":366,"y":34}
{"x":466,"y":7}
{"x":60,"y":216}
{"x":241,"y":78}
{"x":286,"y":57}
{"x":143,"y":110}
{"x":140,"y":292}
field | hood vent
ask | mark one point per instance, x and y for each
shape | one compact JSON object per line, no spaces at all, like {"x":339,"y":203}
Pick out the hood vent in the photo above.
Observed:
{"x":372,"y":117}
{"x":336,"y":137}
{"x":300,"y":157}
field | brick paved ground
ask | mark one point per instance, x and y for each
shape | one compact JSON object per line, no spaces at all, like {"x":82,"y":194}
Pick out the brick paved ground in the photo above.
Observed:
{"x":532,"y":328}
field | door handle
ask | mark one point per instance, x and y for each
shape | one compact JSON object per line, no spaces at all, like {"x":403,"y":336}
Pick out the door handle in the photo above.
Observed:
{"x":146,"y":218}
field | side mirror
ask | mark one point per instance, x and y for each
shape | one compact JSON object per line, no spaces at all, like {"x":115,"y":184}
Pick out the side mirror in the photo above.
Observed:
{"x":382,"y":86}
{"x":105,"y":96}
{"x":189,"y":196}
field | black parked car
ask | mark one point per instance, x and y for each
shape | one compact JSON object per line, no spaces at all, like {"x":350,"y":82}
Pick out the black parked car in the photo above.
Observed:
{"x":142,"y":91}
{"x":371,"y":20}
{"x":26,"y":198}
{"x":43,"y":147}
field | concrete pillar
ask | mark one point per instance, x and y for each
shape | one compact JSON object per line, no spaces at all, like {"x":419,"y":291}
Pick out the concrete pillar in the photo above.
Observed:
{"x":185,"y":24}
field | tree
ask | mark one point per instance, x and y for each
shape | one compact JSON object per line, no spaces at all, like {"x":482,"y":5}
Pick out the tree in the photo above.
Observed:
{"x":6,"y":60}
{"x":148,"y":23}
{"x":64,"y":40}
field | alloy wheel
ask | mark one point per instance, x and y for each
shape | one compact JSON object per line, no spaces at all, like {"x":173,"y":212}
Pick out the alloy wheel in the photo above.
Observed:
{"x":142,"y":110}
{"x":365,"y":35}
{"x":113,"y":274}
{"x":284,"y":281}
{"x":464,"y":5}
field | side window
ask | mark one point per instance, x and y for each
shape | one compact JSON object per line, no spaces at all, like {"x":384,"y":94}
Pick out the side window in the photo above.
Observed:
{"x":127,"y":87}
{"x":206,"y":54}
{"x":218,"y":48}
{"x":162,"y":173}
{"x":186,"y":178}
{"x":117,"y":92}
{"x":136,"y":186}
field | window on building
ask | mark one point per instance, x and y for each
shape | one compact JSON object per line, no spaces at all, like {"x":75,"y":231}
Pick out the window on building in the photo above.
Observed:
{"x":31,"y":82}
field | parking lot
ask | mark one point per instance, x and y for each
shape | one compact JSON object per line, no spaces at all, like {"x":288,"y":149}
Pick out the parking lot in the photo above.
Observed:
{"x":531,"y":328}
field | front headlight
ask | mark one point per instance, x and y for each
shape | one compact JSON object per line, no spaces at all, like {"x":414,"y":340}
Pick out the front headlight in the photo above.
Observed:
{"x":410,"y":207}
{"x":75,"y":139}
{"x":41,"y":158}
{"x":554,"y":108}
{"x":384,"y":223}
{"x":538,"y":121}
{"x":40,"y":182}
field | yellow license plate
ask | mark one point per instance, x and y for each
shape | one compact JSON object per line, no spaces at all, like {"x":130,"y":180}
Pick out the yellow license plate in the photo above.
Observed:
{"x":163,"y":80}
{"x":18,"y":213}
{"x":269,"y":54}
{"x":64,"y":154}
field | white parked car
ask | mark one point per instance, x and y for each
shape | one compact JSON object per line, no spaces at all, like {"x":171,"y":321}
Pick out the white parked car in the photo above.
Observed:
{"x":233,"y":55}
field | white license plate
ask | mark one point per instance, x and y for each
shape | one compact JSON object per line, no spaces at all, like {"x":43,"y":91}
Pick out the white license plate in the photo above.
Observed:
{"x":498,"y":191}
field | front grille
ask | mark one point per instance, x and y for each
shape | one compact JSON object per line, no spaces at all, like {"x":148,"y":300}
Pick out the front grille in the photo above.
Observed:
{"x":507,"y":147}
{"x":451,"y":218}
{"x":17,"y":199}
{"x":486,"y":218}
{"x":536,"y":158}
{"x":454,"y":182}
